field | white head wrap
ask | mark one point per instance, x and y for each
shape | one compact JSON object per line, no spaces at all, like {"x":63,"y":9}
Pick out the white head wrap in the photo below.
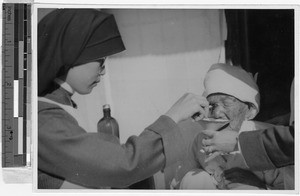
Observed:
{"x":234,"y":81}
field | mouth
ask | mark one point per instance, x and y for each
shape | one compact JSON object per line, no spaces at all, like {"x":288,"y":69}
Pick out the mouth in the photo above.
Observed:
{"x":215,"y":120}
{"x":95,"y":83}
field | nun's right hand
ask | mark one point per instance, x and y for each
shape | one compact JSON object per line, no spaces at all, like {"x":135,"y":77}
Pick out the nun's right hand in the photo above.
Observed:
{"x":186,"y":106}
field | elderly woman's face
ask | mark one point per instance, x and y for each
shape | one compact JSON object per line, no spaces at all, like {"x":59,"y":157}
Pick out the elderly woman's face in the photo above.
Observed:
{"x":228,"y":108}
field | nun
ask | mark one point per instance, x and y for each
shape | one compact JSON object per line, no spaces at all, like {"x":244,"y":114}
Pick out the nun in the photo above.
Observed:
{"x":72,"y":47}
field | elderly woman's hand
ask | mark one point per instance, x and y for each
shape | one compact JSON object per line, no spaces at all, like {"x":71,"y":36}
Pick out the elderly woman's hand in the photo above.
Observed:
{"x":223,"y":141}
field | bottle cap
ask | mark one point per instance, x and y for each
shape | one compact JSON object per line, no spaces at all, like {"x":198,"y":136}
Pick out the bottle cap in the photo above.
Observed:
{"x":106,"y":106}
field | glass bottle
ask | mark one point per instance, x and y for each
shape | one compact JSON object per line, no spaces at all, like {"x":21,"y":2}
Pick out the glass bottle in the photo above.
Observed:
{"x":108,"y":124}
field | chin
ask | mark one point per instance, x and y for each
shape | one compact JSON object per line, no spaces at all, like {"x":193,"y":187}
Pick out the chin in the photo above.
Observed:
{"x":84,"y":92}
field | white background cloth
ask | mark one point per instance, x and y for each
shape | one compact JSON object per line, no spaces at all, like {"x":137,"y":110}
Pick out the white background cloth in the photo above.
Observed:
{"x":168,"y":53}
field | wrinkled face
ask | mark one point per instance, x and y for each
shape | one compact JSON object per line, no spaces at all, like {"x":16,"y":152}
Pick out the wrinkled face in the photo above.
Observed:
{"x":83,"y":78}
{"x":228,"y":108}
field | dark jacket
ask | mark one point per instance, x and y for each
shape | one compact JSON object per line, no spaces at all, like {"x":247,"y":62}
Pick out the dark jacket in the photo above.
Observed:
{"x":95,"y":160}
{"x":273,"y":147}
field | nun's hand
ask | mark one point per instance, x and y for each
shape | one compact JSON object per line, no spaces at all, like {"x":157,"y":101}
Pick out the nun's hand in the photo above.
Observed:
{"x":188,"y":105}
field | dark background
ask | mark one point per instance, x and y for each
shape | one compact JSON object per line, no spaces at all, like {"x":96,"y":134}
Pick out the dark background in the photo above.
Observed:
{"x":263,"y":41}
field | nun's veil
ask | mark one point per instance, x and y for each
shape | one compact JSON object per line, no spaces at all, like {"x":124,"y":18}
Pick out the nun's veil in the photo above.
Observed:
{"x":70,"y":37}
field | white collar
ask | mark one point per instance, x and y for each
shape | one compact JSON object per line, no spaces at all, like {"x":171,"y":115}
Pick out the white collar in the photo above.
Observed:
{"x":64,"y":85}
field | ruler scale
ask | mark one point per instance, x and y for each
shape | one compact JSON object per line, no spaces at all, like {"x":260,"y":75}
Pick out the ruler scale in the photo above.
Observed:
{"x":16,"y":50}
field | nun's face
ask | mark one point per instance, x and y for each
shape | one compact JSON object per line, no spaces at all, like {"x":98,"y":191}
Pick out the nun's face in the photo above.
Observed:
{"x":83,"y":78}
{"x":228,"y":108}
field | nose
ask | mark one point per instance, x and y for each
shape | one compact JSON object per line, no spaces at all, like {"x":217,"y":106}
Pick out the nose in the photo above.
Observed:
{"x":101,"y":71}
{"x":218,"y":112}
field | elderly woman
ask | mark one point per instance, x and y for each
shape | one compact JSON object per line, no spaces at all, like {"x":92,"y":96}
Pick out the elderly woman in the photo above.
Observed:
{"x":234,"y":97}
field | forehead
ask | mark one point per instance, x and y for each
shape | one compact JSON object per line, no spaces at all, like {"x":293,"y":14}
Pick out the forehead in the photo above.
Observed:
{"x":221,"y":98}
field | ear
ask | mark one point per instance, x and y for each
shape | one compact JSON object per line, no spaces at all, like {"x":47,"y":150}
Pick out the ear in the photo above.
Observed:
{"x":251,"y":113}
